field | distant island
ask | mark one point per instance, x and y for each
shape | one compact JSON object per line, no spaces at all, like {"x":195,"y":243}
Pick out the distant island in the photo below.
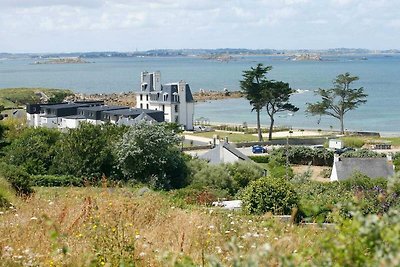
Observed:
{"x":63,"y":60}
{"x":221,"y":54}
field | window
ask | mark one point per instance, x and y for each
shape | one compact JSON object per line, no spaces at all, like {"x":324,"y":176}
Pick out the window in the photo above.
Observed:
{"x":147,"y":97}
{"x":176,"y":108}
{"x":141,"y":97}
{"x":147,"y":106}
{"x":163,"y":107}
{"x":141,"y":105}
{"x":176,"y":119}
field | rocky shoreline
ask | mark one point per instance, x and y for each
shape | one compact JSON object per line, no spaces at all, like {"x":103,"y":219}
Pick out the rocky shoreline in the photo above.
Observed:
{"x":129,"y":98}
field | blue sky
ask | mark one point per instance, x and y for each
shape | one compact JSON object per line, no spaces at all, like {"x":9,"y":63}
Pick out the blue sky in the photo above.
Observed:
{"x":127,"y":25}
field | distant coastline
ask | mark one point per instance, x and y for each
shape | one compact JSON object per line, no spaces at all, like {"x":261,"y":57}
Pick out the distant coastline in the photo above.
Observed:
{"x":63,"y":60}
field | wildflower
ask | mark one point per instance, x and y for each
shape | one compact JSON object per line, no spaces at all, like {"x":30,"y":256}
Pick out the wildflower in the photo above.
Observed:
{"x":114,"y":229}
{"x":211,"y":227}
{"x":266,"y":247}
{"x":142,"y":254}
{"x":33,"y":218}
{"x":137,"y":236}
{"x":227,"y":232}
{"x":253,"y":246}
{"x":16,"y":214}
{"x":219,"y":249}
{"x":94,"y":226}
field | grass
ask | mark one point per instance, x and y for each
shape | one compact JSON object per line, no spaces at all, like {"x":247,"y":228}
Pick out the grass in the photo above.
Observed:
{"x":115,"y":227}
{"x":15,"y":97}
{"x":233,"y":137}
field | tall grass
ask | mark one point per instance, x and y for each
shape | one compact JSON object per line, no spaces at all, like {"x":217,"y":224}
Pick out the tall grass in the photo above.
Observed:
{"x":110,"y":227}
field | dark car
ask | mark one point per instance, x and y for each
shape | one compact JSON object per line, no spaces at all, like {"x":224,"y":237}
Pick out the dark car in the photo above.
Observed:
{"x":342,"y":150}
{"x":258,"y":149}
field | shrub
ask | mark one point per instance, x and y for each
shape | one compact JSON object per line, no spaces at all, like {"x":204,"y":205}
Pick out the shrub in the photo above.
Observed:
{"x":33,"y":150}
{"x":226,"y":177}
{"x":363,"y":153}
{"x":269,"y":194}
{"x":20,"y":180}
{"x":149,"y":154}
{"x":6,"y":194}
{"x":56,"y":180}
{"x":259,"y":159}
{"x":304,"y":155}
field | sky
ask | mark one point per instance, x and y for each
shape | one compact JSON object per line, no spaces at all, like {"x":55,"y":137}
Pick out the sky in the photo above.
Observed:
{"x":130,"y":25}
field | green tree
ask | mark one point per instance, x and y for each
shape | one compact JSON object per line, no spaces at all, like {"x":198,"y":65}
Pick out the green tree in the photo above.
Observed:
{"x":84,"y":152}
{"x":33,"y":150}
{"x":340,"y":99}
{"x":276,"y":95}
{"x":252,"y":87}
{"x":149,"y":154}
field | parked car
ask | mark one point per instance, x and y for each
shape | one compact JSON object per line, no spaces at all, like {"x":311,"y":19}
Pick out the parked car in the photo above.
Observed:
{"x":257,"y":149}
{"x":342,"y":150}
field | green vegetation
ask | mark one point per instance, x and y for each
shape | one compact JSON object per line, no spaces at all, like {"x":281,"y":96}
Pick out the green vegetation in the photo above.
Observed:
{"x":115,"y":224}
{"x":263,"y":93}
{"x":340,"y":99}
{"x":16,"y":97}
{"x":149,"y":154}
{"x":268,"y":194}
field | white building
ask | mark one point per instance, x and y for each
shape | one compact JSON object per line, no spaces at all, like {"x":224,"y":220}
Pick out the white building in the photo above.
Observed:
{"x":174,"y":99}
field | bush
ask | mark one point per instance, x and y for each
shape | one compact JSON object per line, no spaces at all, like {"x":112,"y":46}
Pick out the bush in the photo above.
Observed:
{"x":6,"y":194}
{"x":363,"y":153}
{"x":56,"y":180}
{"x":269,"y":194}
{"x":33,"y":150}
{"x":304,"y":155}
{"x":259,"y":159}
{"x":229,"y":178}
{"x":20,"y":180}
{"x":318,"y":200}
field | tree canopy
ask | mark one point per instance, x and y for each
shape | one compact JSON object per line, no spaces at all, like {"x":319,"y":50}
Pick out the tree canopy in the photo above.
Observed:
{"x":276,"y":95}
{"x":261,"y":92}
{"x":150,"y":154}
{"x":252,"y":86}
{"x":340,"y":99}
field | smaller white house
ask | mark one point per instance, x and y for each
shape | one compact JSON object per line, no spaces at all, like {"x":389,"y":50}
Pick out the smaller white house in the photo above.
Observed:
{"x":71,"y":122}
{"x":343,"y":168}
{"x":224,"y":153}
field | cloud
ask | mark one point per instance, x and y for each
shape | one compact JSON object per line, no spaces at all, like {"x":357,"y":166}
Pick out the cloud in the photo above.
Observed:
{"x":94,"y":24}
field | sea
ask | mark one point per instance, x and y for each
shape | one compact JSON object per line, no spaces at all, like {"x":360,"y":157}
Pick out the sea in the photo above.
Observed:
{"x":379,"y":76}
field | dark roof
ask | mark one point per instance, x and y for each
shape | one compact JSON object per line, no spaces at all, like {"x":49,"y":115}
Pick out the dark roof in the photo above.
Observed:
{"x":75,"y":117}
{"x":371,"y":167}
{"x":63,"y":106}
{"x":130,"y":112}
{"x":102,"y":108}
{"x":49,"y":116}
{"x":189,"y":96}
{"x":215,"y":155}
{"x":170,"y":89}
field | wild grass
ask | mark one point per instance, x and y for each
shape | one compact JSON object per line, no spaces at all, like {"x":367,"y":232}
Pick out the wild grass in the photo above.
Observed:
{"x":117,"y":227}
{"x":15,"y":97}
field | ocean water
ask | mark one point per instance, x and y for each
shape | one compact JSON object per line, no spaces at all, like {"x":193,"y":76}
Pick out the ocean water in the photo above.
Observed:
{"x":379,"y":75}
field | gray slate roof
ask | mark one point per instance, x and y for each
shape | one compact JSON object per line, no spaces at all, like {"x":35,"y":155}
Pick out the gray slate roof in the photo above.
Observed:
{"x":214,"y":156}
{"x":372,"y":167}
{"x":170,"y":89}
